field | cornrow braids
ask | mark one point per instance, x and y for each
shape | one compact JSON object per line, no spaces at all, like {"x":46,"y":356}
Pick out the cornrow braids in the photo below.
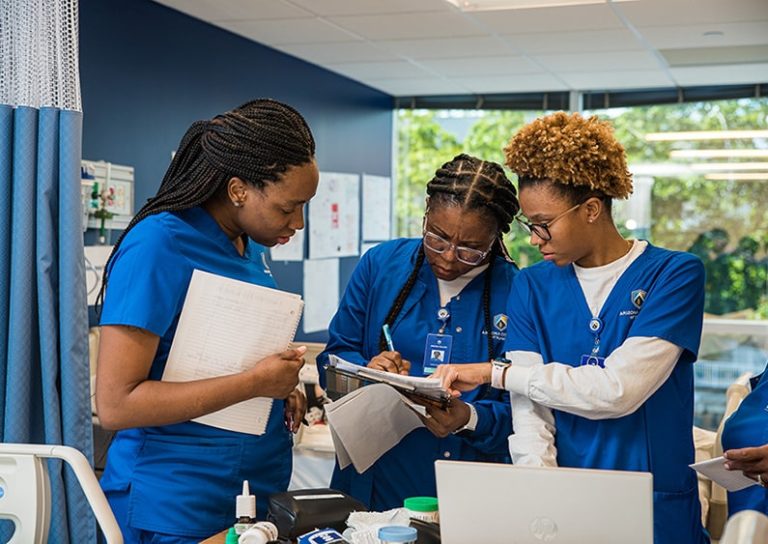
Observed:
{"x":256,"y":142}
{"x":477,"y":185}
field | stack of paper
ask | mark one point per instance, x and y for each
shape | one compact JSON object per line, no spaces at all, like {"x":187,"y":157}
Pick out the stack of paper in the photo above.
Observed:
{"x":226,"y":327}
{"x":367,"y":423}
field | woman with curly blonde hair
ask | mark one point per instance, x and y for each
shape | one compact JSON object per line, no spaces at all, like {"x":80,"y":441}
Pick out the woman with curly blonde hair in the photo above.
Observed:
{"x":602,"y":334}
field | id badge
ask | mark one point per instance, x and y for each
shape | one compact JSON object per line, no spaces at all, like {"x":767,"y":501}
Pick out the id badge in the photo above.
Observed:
{"x":437,"y":351}
{"x":593,"y":360}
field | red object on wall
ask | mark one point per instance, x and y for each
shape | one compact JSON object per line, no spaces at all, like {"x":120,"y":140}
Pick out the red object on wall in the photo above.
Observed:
{"x":335,"y":215}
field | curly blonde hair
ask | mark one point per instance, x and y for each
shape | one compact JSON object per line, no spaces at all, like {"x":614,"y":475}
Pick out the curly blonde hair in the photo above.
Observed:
{"x":571,"y":150}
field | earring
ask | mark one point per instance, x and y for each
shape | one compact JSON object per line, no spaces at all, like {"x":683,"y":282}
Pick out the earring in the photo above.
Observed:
{"x":237,"y":203}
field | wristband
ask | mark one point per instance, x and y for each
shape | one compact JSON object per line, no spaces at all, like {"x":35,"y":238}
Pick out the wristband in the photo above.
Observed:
{"x":499,"y":372}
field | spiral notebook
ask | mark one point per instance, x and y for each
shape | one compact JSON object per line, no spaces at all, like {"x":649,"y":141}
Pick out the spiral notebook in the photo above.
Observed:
{"x":226,"y":327}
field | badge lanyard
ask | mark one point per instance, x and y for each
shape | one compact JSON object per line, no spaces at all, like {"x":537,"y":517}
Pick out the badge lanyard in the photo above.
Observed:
{"x":443,"y":315}
{"x":595,"y":327}
{"x":437,"y":348}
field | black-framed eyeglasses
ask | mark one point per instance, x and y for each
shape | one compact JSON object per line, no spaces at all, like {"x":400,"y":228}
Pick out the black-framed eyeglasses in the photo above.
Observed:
{"x":542,"y":229}
{"x":466,"y":255}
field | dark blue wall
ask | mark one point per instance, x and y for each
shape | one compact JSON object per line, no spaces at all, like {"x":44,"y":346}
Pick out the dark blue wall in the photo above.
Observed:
{"x":148,"y":72}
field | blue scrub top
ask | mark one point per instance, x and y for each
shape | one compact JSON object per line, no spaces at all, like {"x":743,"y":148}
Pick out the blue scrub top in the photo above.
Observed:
{"x":183,"y":478}
{"x":747,"y":428}
{"x":408,"y":468}
{"x":661,"y":295}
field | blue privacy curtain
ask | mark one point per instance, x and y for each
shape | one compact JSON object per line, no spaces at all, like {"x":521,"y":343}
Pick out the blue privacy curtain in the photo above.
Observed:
{"x":44,"y":364}
{"x":44,"y":375}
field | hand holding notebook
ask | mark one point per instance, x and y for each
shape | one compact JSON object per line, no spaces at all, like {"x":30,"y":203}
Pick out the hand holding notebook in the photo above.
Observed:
{"x":226,"y":327}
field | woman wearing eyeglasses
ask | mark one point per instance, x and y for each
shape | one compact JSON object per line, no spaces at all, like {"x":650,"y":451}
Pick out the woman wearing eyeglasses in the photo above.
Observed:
{"x":443,"y":297}
{"x":603,"y":335}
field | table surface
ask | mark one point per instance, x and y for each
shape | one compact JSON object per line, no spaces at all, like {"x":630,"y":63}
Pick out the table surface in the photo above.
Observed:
{"x":216,"y":539}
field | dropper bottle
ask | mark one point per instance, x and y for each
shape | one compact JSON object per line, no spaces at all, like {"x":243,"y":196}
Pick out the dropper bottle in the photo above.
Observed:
{"x":245,"y":510}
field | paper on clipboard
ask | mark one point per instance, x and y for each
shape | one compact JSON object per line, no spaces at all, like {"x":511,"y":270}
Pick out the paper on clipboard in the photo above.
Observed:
{"x":714,"y":469}
{"x":226,"y":327}
{"x":430,"y":388}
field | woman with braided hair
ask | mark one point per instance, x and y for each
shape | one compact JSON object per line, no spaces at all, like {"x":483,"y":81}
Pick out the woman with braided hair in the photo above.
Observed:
{"x":237,"y":183}
{"x":443,"y":297}
{"x":603,"y":334}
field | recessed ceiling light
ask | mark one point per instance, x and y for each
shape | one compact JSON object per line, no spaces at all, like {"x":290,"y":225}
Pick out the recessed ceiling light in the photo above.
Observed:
{"x":717,"y":153}
{"x":487,"y":5}
{"x":705,"y":135}
{"x":753,"y":176}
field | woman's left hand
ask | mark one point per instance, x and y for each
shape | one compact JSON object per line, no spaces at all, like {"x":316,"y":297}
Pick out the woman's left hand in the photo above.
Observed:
{"x":295,"y":409}
{"x":442,"y":422}
{"x":751,"y":461}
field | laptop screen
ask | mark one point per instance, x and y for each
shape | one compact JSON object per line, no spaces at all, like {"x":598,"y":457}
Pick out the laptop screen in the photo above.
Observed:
{"x":506,"y":504}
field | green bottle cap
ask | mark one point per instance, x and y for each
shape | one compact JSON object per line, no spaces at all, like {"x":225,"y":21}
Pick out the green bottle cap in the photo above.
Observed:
{"x":232,"y":536}
{"x":421,"y":504}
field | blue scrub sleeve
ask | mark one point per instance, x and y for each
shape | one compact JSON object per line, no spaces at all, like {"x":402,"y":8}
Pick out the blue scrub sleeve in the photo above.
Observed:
{"x":521,"y":333}
{"x":674,"y":307}
{"x":147,"y":282}
{"x":346,"y":333}
{"x":494,"y":425}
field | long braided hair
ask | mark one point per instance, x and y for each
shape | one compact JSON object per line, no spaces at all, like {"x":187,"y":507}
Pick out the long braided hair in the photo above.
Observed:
{"x":476,"y":185}
{"x":256,"y":142}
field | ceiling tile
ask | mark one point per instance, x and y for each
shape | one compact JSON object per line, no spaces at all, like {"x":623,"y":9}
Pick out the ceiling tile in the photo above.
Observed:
{"x":617,"y":79}
{"x":481,"y":66}
{"x":617,"y":39}
{"x":288,"y":31}
{"x":379,"y":70}
{"x":668,"y":37}
{"x":407,"y":26}
{"x":370,"y":7}
{"x":691,"y":12}
{"x":513,"y":84}
{"x":418,"y":86}
{"x":227,"y":10}
{"x":556,"y":19}
{"x":445,"y":48}
{"x":596,"y":62}
{"x":721,"y":75}
{"x":327,"y":53}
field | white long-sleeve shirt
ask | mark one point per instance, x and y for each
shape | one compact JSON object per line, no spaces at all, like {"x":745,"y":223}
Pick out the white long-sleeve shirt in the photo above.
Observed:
{"x":632,"y":373}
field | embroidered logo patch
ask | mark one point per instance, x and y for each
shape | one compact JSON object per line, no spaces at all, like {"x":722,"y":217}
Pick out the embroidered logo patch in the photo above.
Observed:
{"x":500,"y":322}
{"x":638,"y":297}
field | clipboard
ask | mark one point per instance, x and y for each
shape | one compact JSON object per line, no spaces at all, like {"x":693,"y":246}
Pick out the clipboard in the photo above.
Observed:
{"x":339,"y":382}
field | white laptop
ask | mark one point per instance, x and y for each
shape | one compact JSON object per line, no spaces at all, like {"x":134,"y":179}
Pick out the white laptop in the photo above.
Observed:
{"x":505,"y":504}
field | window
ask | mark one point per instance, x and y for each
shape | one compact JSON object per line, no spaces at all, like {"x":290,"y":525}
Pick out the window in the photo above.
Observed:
{"x":700,"y":205}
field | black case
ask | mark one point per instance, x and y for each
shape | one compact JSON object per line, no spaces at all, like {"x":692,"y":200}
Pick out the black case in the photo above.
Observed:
{"x":298,"y":512}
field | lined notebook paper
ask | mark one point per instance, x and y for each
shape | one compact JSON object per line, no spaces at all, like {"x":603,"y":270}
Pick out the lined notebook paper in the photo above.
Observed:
{"x":226,"y":327}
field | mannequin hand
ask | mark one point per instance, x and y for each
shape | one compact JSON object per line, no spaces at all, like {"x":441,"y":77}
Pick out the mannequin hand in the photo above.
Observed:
{"x":442,"y":422}
{"x":463,"y":377}
{"x":753,"y":462}
{"x":278,"y":374}
{"x":390,"y":361}
{"x":295,"y":409}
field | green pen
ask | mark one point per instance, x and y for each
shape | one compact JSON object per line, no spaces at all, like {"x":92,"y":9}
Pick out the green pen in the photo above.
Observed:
{"x":388,"y":337}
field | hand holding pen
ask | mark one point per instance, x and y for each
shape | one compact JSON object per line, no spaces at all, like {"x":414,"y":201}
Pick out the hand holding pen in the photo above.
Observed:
{"x":391,"y":360}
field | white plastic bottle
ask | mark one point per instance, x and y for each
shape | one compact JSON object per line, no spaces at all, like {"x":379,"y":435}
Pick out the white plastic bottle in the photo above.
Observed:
{"x":259,"y":533}
{"x":245,"y":510}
